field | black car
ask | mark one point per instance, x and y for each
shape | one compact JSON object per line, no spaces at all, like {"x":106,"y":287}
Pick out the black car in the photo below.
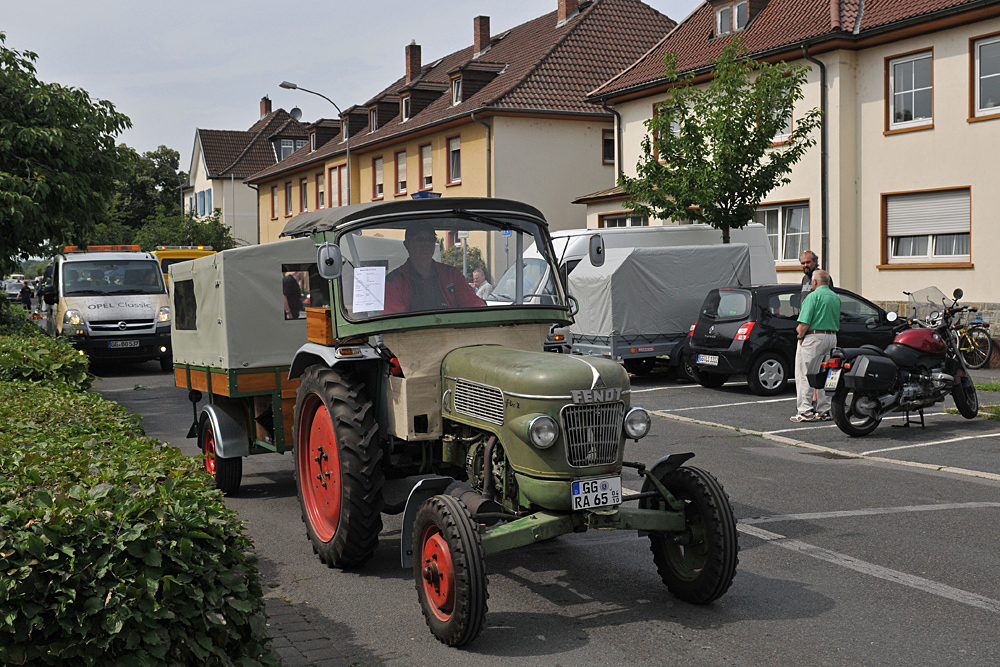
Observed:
{"x":751,"y":331}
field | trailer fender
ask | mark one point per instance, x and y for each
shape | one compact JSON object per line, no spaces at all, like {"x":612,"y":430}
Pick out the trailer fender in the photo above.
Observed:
{"x":230,"y":435}
{"x":424,"y":489}
{"x":313,"y":353}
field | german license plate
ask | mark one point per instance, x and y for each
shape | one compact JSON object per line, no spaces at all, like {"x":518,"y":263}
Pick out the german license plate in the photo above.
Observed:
{"x":123,"y":343}
{"x":832,"y":377}
{"x":596,"y":493}
{"x":708,"y":359}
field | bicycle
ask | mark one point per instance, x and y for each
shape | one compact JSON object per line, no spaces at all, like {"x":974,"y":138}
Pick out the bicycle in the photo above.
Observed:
{"x":974,"y":342}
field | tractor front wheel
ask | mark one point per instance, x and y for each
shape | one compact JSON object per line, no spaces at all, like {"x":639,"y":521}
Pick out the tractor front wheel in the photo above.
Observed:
{"x":449,"y":571}
{"x":699,"y":564}
{"x":338,"y":467}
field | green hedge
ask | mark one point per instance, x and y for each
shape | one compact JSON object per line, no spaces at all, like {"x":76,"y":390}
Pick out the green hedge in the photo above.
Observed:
{"x":27,"y":353}
{"x":115,"y":548}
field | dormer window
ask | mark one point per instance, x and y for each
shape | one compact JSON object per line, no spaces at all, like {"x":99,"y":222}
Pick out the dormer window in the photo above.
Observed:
{"x":373,"y":119}
{"x":287,"y":148}
{"x":312,"y":141}
{"x":404,"y":105}
{"x":731,"y":18}
{"x":456,"y":91}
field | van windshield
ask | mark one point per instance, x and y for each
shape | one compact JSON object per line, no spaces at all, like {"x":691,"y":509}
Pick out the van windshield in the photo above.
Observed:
{"x":100,"y":277}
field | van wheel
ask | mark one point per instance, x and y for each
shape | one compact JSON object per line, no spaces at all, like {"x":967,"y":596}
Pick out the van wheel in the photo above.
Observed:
{"x":768,"y":374}
{"x":166,"y":363}
{"x":338,"y":467}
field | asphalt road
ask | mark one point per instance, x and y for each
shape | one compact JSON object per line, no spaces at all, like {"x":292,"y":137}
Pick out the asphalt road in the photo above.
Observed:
{"x":883,"y":559}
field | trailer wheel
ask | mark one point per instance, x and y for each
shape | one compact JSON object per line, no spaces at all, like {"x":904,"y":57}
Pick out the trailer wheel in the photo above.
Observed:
{"x":338,"y":468}
{"x":699,"y":564}
{"x":228,"y":473}
{"x":643,"y":366}
{"x":449,"y":570}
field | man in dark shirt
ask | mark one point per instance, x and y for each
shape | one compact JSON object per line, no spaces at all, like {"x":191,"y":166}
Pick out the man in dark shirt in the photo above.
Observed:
{"x":809,"y":262}
{"x":292,"y":295}
{"x":424,"y":284}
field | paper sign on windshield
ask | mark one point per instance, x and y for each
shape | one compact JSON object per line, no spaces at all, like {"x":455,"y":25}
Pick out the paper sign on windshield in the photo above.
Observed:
{"x":369,"y":288}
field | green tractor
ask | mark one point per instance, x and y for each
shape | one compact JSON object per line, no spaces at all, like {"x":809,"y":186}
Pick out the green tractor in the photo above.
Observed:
{"x":408,"y":372}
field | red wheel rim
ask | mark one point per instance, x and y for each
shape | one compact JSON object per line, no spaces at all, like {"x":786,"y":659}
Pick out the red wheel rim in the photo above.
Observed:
{"x":438,"y":573}
{"x":208,"y":448}
{"x":319,"y":468}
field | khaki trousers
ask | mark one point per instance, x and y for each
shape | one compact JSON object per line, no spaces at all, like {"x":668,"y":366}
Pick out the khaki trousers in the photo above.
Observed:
{"x":813,"y":346}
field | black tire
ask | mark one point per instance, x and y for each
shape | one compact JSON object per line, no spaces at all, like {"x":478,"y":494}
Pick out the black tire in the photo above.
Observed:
{"x":643,"y":366}
{"x":338,"y":467}
{"x":843,"y":407}
{"x":709,"y":380}
{"x":166,"y":363}
{"x":699,"y":566}
{"x":977,"y":348}
{"x":768,"y":374}
{"x":966,"y":398}
{"x":228,"y":473}
{"x":449,"y":571}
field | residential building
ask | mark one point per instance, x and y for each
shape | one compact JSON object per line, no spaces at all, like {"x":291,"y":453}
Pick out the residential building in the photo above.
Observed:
{"x":222,"y":159}
{"x":897,"y":193}
{"x":506,"y":116}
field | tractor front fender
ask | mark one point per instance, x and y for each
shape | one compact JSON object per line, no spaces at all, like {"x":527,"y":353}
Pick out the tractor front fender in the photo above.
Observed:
{"x":424,"y":489}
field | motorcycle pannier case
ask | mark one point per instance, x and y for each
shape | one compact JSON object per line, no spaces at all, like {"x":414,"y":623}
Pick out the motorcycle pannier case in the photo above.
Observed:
{"x":871,"y":374}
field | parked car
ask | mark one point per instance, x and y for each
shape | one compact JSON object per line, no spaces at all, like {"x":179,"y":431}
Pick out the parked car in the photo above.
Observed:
{"x":12,"y":288}
{"x":751,"y":331}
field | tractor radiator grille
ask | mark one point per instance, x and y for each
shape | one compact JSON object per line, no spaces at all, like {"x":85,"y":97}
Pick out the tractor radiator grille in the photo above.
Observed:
{"x":479,"y":401}
{"x":593,"y":433}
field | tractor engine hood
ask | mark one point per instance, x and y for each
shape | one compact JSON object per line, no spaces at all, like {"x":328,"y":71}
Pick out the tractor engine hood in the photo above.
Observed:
{"x":562,"y":378}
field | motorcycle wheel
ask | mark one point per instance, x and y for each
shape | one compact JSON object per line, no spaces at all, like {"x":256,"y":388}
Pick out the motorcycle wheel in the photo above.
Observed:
{"x":843,"y":407}
{"x":966,"y":398}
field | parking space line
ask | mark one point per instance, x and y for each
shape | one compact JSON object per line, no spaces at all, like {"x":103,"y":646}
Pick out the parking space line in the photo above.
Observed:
{"x":732,"y":405}
{"x":931,"y":444}
{"x":803,"y":428}
{"x":677,"y":386}
{"x":864,"y":567}
{"x":868,"y":511}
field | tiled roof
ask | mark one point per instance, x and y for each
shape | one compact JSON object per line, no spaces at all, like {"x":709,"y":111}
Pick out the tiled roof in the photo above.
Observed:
{"x":542,"y":67}
{"x":239,"y":154}
{"x":617,"y":192}
{"x":782,"y":23}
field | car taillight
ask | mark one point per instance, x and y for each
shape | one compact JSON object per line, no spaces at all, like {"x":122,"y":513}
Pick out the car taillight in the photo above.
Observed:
{"x":691,"y":330}
{"x":744,"y":331}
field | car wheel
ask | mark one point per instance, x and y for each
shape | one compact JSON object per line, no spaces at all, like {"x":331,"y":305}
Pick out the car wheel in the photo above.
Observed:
{"x":768,"y":374}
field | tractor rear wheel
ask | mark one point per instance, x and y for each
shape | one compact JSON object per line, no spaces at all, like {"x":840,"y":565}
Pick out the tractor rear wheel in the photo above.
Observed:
{"x":338,"y":467}
{"x":449,"y":570}
{"x":698,"y":565}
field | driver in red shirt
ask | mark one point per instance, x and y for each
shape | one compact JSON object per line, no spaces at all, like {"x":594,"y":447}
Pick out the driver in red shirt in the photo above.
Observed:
{"x":424,"y":284}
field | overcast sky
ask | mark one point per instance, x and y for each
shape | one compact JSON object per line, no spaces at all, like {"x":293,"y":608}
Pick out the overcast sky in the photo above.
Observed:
{"x":177,"y":65}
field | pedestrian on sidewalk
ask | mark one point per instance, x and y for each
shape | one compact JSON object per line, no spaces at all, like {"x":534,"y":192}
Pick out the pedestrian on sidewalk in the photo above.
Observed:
{"x":819,"y":322}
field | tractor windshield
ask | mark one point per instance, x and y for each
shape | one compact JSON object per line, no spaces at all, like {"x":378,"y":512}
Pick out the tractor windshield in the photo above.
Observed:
{"x":447,"y":262}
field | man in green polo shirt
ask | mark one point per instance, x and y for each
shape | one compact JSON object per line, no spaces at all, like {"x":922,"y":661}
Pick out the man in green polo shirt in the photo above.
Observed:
{"x":819,"y":322}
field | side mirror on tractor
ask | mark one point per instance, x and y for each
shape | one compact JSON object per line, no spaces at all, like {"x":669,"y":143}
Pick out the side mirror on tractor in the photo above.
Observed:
{"x":329,"y":261}
{"x":597,"y":250}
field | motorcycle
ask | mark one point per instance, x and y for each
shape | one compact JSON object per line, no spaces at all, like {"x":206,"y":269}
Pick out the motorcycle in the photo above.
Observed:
{"x":920,"y":368}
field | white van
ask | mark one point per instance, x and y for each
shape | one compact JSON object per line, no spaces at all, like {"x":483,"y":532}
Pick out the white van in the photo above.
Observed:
{"x":111,"y":302}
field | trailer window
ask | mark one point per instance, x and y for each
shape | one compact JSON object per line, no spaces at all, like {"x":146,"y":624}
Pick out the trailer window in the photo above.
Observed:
{"x":301,"y":287}
{"x":185,"y":306}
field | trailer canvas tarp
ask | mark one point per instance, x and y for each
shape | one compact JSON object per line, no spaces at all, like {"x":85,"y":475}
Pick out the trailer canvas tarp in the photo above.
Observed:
{"x":653,"y":291}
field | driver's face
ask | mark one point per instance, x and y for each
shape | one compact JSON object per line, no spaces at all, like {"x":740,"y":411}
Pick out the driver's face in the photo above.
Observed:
{"x":421,"y":244}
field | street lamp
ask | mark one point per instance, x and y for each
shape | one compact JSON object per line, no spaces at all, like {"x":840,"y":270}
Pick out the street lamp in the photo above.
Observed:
{"x":345,"y":130}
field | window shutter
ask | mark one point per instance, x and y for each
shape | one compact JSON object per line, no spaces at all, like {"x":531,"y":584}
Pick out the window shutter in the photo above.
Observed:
{"x":943,"y":212}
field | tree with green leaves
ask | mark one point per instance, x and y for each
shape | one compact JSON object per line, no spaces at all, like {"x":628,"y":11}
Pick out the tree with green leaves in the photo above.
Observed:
{"x":163,"y":229}
{"x":149,"y":181}
{"x":58,"y":160}
{"x":714,"y":152}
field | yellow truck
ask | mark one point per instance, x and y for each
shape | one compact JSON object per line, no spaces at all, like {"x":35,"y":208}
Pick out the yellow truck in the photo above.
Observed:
{"x":173,"y":254}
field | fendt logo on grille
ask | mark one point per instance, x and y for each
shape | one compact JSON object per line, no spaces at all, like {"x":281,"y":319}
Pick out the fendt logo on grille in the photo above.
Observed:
{"x":596,"y":395}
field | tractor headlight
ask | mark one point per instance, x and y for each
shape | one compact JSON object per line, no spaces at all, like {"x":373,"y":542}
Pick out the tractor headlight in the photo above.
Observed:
{"x":637,"y":423}
{"x":164,"y":314}
{"x":73,"y":317}
{"x":543,"y":431}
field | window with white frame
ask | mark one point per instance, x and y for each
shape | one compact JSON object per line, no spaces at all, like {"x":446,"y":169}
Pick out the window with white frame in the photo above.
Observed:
{"x":335,"y":189}
{"x":455,"y":160}
{"x":426,"y":166}
{"x":401,"y":173}
{"x":911,"y":91}
{"x":287,"y":148}
{"x":344,"y":194}
{"x":299,"y":143}
{"x":303,"y":194}
{"x":731,"y":18}
{"x":320,"y":191}
{"x":622,"y":220}
{"x":312,"y":142}
{"x":930,"y":227}
{"x":608,"y":146}
{"x":987,"y":80}
{"x":288,"y":198}
{"x":377,"y":187}
{"x":372,"y":119}
{"x":405,"y":108}
{"x":785,"y":133}
{"x":787,"y":230}
{"x":456,"y":90}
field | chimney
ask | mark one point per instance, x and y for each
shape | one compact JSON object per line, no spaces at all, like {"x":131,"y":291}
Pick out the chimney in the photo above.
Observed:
{"x":480,"y":33}
{"x":412,"y":61}
{"x":567,"y":10}
{"x":265,"y":106}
